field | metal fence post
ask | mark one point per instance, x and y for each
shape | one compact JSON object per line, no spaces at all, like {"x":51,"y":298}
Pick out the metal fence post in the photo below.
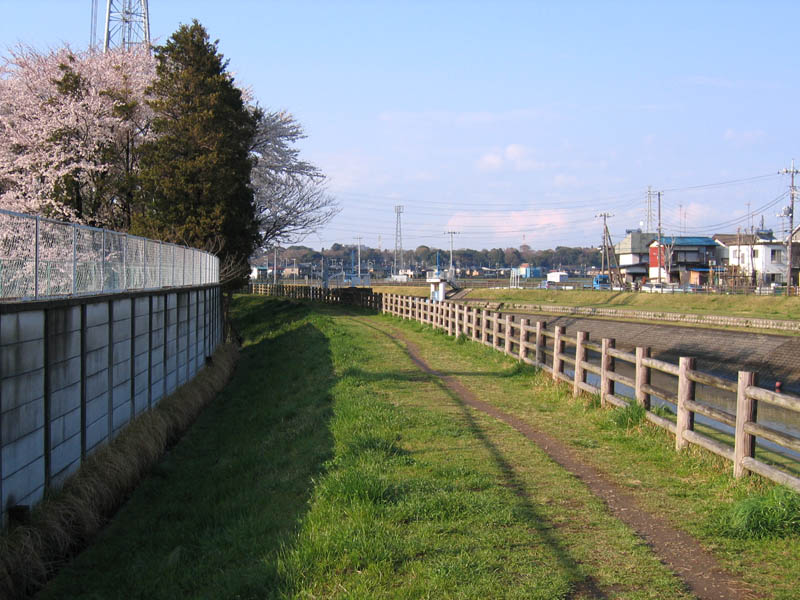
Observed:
{"x":36,"y":262}
{"x":103,"y":262}
{"x":74,"y":259}
{"x":125,"y":262}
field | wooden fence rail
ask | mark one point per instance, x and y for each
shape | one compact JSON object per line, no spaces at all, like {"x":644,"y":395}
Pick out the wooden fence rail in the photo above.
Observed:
{"x":533,"y":344}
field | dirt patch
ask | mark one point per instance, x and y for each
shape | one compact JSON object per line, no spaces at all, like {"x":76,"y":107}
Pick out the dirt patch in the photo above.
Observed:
{"x":700,"y":571}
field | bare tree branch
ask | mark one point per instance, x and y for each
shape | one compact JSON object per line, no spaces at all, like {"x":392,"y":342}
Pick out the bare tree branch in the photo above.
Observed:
{"x":290,"y":197}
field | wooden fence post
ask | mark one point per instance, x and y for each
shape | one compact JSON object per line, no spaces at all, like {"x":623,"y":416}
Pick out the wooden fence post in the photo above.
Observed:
{"x":744,"y":443}
{"x":509,"y":332}
{"x":523,"y":339}
{"x":495,"y":330}
{"x":456,"y":320}
{"x":558,"y":348}
{"x":580,"y":357}
{"x":450,"y":320}
{"x":484,"y":332}
{"x":540,"y":342}
{"x":642,"y":377}
{"x":606,"y":367}
{"x":474,"y":323}
{"x":685,"y":419}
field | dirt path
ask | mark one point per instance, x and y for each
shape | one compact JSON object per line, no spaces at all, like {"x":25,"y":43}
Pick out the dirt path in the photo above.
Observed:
{"x":681,"y":552}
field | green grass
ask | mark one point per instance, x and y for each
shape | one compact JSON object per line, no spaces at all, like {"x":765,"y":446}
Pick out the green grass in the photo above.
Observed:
{"x":767,"y":307}
{"x":693,"y":489}
{"x":773,"y":514}
{"x":333,"y":467}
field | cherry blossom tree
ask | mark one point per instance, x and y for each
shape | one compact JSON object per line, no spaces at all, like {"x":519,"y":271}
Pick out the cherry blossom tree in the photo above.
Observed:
{"x":71,"y":124}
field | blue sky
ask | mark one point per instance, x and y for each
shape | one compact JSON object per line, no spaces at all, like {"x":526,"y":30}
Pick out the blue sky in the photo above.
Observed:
{"x":510,"y":122}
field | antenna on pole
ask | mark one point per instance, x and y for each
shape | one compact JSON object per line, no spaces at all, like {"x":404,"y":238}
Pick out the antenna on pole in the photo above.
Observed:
{"x":359,"y":238}
{"x":789,"y":211}
{"x":451,"y":234}
{"x":127,"y":24}
{"x":93,"y":27}
{"x":398,"y":241}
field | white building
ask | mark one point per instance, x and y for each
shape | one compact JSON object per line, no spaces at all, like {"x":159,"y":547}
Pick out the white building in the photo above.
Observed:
{"x":757,"y":256}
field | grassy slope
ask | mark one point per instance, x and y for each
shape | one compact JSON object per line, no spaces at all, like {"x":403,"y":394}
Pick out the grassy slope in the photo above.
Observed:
{"x":331,"y":467}
{"x":769,"y":307}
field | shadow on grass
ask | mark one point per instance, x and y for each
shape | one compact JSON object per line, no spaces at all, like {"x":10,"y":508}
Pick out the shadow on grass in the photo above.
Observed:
{"x":583,"y":585}
{"x":215,"y":516}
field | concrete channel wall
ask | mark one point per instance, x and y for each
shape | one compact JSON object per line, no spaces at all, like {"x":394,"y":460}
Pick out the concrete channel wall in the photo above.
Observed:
{"x":74,"y":372}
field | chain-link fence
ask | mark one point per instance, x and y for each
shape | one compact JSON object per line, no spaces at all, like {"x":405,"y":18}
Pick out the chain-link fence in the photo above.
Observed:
{"x":41,"y":258}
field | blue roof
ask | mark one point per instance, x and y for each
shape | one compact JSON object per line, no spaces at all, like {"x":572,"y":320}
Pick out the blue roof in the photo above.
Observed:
{"x":687,"y":241}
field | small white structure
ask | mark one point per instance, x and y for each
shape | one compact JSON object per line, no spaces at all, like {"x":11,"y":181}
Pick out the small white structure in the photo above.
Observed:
{"x":557,"y":276}
{"x":438,"y":285}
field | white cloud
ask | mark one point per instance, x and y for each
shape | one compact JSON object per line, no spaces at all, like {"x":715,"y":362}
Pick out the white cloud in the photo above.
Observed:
{"x":539,"y":226}
{"x":514,"y":156}
{"x":744,"y":138}
{"x":562,"y":180}
{"x":490,"y":162}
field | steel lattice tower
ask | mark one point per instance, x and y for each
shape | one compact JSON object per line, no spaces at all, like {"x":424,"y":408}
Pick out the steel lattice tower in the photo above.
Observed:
{"x":127,"y":24}
{"x":398,"y":242}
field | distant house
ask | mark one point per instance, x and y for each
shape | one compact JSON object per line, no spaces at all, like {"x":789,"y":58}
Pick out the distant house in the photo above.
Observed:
{"x":260,"y":273}
{"x":682,"y":259}
{"x":526,"y":271}
{"x":753,"y":258}
{"x":633,"y":255}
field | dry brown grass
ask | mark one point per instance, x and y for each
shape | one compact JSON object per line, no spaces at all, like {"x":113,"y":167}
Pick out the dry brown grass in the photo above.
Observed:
{"x":68,"y":518}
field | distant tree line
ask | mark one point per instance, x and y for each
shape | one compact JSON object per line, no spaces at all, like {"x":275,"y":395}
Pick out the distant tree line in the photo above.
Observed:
{"x":426,"y":257}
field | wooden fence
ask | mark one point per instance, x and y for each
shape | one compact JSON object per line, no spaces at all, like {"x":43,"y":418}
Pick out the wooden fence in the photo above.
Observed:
{"x":555,"y":351}
{"x":362,"y":297}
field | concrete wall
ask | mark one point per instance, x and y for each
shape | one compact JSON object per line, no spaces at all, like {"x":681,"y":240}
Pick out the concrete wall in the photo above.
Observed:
{"x":74,"y":373}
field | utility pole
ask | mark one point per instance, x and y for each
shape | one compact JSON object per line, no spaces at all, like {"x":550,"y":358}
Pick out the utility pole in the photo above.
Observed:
{"x":359,"y":238}
{"x":275,"y":268}
{"x":451,"y":234}
{"x":790,"y":214}
{"x":605,"y":260}
{"x":659,"y":260}
{"x":398,"y":241}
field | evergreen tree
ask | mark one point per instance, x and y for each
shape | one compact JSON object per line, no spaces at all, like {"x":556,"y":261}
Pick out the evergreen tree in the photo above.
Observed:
{"x":195,"y":175}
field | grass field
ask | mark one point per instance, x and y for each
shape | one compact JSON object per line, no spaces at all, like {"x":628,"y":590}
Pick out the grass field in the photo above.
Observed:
{"x":333,"y":467}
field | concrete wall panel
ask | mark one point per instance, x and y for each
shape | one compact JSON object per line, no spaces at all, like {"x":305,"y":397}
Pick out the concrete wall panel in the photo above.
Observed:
{"x":156,"y":342}
{"x":21,"y":327}
{"x":21,"y":388}
{"x":22,"y":452}
{"x":26,"y":486}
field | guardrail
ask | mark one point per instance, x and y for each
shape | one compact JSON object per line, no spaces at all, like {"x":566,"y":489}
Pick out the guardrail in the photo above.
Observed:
{"x":43,"y":258}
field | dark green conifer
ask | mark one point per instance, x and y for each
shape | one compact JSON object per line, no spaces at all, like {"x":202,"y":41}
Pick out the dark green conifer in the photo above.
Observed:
{"x":195,"y":176}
